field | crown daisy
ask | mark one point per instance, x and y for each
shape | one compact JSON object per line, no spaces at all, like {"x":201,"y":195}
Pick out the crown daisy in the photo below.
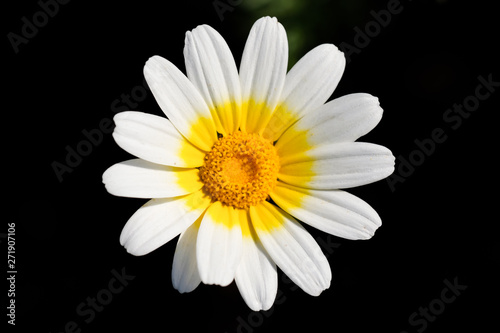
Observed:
{"x":242,"y":157}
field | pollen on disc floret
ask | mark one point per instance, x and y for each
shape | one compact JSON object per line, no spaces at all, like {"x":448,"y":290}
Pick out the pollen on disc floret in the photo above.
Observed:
{"x":240,"y":170}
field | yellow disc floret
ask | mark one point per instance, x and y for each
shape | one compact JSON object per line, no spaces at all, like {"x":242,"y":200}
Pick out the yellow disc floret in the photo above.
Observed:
{"x":240,"y":170}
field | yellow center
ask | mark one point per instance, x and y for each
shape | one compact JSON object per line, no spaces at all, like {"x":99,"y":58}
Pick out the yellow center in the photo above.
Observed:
{"x":240,"y":170}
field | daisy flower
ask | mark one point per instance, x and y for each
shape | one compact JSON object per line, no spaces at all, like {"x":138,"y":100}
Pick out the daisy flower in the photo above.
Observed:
{"x":242,"y":157}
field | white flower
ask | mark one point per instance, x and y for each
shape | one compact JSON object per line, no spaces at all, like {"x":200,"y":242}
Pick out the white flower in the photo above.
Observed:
{"x":234,"y":141}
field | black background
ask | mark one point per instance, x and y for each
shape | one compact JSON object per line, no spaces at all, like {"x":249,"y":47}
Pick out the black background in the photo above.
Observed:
{"x":439,"y":224}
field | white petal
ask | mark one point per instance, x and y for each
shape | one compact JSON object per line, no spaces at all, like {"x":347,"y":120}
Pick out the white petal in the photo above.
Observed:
{"x":292,"y":248}
{"x":218,"y":247}
{"x":262,"y":72}
{"x":210,"y":66}
{"x":155,"y":139}
{"x":344,"y":119}
{"x":160,"y":220}
{"x":308,"y":85}
{"x":181,"y":102}
{"x":185,"y":276}
{"x":337,"y":166}
{"x":142,"y":179}
{"x":256,"y":276}
{"x":336,"y":212}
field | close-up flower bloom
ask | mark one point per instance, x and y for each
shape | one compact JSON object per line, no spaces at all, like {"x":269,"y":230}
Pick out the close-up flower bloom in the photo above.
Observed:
{"x":242,"y":157}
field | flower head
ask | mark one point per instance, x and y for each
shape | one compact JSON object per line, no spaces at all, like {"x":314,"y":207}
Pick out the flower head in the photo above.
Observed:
{"x":242,"y":156}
